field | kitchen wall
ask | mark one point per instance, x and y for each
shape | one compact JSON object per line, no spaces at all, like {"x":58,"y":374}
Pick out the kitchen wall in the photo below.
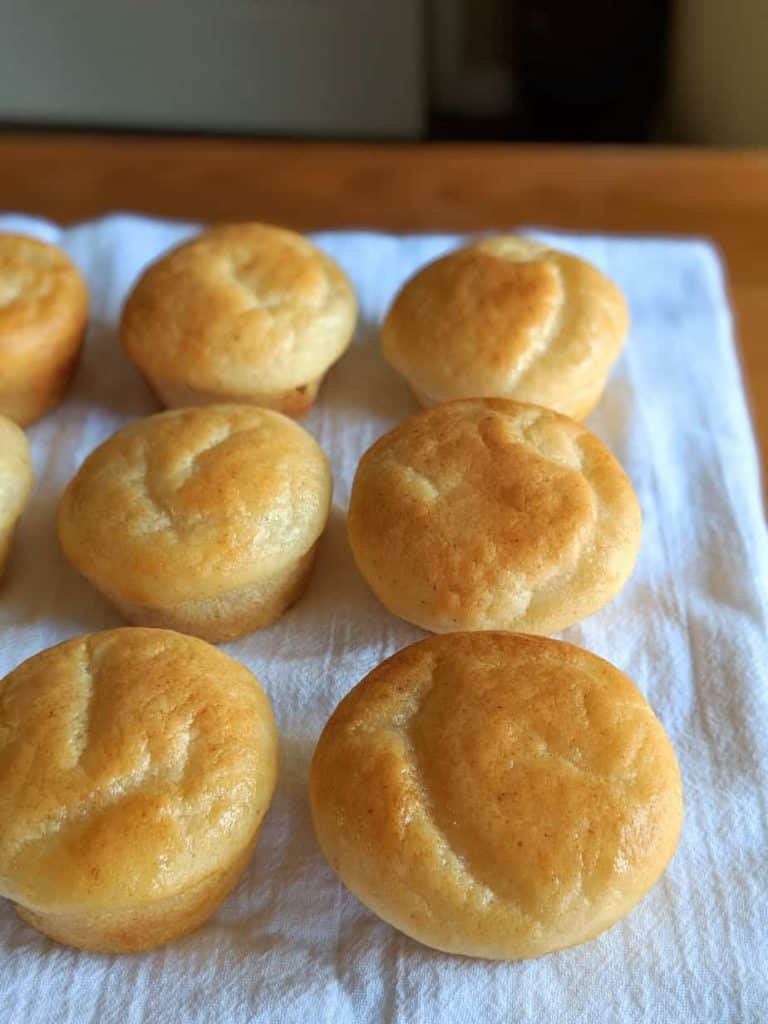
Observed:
{"x":327,"y":67}
{"x":515,"y":69}
{"x":718,"y":72}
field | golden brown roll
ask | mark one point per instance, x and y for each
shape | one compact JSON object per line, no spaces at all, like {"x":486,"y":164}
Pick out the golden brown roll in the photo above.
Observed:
{"x":43,"y":316}
{"x":243,"y":313}
{"x":136,"y":766}
{"x":204,"y":520}
{"x":496,"y":795}
{"x":509,"y":318}
{"x":490,"y":514}
{"x":15,"y":481}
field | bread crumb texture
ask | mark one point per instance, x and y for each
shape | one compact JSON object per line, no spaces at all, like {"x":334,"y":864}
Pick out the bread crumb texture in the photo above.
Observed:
{"x":191,"y":503}
{"x":40,"y":287}
{"x":134,"y":764}
{"x":496,"y":795}
{"x":508,"y":317}
{"x":489,"y":514}
{"x":241,"y":308}
{"x":15,"y":478}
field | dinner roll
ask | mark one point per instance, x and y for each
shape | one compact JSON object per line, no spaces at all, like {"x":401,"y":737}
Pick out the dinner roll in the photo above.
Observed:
{"x":490,"y":514}
{"x":507,"y":318}
{"x":43,"y":316}
{"x":15,"y":481}
{"x":496,"y":795}
{"x":243,"y":313}
{"x":136,"y":766}
{"x":204,"y":520}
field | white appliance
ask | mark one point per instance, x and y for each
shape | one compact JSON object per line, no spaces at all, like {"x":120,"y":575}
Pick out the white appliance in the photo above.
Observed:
{"x":285,"y":67}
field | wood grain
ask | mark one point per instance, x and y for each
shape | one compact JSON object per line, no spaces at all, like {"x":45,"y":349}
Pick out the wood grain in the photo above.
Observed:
{"x":721,"y":195}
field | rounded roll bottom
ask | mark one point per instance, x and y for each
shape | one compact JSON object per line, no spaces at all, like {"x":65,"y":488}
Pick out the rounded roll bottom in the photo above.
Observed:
{"x":131,"y":929}
{"x":294,"y":402}
{"x":43,"y":389}
{"x":225,"y":616}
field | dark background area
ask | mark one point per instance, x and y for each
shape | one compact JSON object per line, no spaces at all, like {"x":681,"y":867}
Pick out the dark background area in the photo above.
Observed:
{"x":525,"y":70}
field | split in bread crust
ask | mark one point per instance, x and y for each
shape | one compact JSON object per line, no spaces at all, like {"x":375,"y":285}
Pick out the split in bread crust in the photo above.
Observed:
{"x":136,"y":766}
{"x":491,"y":514}
{"x":507,"y":317}
{"x":243,"y":313}
{"x":496,"y":795}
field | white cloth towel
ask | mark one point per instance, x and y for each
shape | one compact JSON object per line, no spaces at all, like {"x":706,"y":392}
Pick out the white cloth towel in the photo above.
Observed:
{"x":291,"y":944}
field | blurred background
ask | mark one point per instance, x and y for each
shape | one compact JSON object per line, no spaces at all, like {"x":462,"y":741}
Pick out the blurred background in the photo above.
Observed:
{"x":544,"y":70}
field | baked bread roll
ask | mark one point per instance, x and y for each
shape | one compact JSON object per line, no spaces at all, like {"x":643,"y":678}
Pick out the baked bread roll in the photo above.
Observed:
{"x":204,"y":520}
{"x":243,"y":313}
{"x":496,"y":795}
{"x":490,"y":514}
{"x":15,"y":481}
{"x":43,"y":316}
{"x":136,"y":766}
{"x":507,"y":318}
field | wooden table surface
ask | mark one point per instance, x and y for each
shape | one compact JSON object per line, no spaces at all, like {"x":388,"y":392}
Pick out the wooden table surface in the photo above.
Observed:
{"x":466,"y":186}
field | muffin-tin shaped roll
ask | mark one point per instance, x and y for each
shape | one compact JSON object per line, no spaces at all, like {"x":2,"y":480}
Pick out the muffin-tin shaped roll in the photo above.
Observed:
{"x":496,"y":795}
{"x":204,"y":520}
{"x":491,"y":514}
{"x":507,"y":317}
{"x":136,"y":766}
